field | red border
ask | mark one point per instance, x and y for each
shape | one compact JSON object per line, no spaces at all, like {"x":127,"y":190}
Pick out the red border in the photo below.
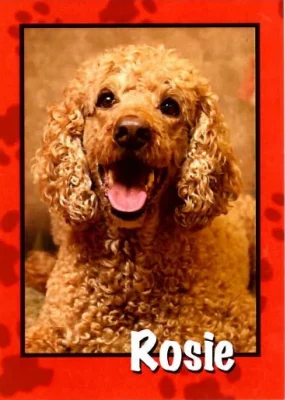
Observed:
{"x":96,"y":378}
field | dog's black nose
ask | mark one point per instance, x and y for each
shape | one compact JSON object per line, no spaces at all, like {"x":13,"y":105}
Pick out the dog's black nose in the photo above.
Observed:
{"x":132,"y":133}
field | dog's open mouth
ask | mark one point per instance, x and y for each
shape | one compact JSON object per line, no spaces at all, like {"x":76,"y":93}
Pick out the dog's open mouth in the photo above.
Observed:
{"x":129,"y":184}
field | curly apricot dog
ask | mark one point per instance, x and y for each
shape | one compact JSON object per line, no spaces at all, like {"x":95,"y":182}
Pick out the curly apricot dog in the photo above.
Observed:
{"x":137,"y":171}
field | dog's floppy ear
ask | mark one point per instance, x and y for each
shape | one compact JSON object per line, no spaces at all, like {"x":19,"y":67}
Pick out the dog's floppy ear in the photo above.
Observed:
{"x":210,"y":176}
{"x":60,"y":165}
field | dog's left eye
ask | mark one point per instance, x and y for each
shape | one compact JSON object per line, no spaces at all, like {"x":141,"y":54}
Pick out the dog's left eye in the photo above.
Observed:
{"x":106,"y":99}
{"x":170,"y":107}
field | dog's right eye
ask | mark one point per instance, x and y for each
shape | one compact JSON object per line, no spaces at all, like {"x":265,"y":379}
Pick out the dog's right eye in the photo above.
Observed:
{"x":106,"y":99}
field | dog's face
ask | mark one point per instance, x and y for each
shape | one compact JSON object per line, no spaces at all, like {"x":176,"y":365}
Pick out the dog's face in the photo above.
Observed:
{"x":136,"y":120}
{"x":137,"y":133}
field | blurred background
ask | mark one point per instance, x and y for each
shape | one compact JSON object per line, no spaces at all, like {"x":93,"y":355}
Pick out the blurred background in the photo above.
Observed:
{"x":226,"y":56}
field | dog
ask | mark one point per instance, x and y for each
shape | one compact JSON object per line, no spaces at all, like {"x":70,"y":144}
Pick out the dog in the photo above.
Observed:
{"x":142,"y":185}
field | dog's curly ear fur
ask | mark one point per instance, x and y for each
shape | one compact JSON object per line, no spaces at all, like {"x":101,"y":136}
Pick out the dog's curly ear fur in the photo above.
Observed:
{"x":60,"y":165}
{"x":210,"y":176}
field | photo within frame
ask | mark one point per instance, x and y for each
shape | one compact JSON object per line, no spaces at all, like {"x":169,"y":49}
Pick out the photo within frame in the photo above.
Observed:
{"x":145,"y":222}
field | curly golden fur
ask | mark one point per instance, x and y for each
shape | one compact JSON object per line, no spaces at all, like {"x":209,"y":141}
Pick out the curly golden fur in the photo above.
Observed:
{"x":181,"y":267}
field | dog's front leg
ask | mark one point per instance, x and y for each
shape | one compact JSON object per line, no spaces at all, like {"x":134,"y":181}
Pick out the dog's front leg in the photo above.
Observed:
{"x":61,"y":311}
{"x":239,"y":323}
{"x":44,"y":338}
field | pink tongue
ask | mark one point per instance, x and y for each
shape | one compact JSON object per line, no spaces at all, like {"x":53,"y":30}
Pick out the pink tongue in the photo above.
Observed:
{"x":126,"y":199}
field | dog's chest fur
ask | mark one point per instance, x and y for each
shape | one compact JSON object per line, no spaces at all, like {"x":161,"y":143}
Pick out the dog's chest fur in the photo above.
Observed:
{"x":114,"y":285}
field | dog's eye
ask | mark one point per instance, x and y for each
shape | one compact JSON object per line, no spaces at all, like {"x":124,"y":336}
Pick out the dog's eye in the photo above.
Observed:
{"x":106,"y":99}
{"x":170,"y":107}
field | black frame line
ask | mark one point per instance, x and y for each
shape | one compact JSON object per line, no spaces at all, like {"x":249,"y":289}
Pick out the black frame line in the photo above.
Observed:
{"x":22,"y":175}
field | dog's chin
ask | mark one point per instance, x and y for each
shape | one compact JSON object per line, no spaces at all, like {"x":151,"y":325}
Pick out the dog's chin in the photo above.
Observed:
{"x":128,"y":222}
{"x":130,"y":187}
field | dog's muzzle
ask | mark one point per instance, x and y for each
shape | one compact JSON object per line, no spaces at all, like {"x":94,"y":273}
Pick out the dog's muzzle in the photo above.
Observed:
{"x":132,"y":133}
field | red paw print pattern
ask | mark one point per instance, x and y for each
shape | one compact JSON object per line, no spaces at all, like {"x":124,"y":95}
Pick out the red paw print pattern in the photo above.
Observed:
{"x":281,"y":8}
{"x":9,"y":126}
{"x":206,"y":388}
{"x":9,"y":253}
{"x":9,"y":220}
{"x":263,"y":303}
{"x":4,"y":158}
{"x":39,"y":14}
{"x":9,"y":132}
{"x":266,"y":270}
{"x":149,"y":5}
{"x":167,"y":388}
{"x":4,"y":336}
{"x":274,"y":214}
{"x":26,"y":377}
{"x":9,"y":258}
{"x":20,"y":374}
{"x":114,"y":12}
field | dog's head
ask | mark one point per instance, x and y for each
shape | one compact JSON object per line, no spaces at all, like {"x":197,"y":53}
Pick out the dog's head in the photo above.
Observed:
{"x":135,"y":121}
